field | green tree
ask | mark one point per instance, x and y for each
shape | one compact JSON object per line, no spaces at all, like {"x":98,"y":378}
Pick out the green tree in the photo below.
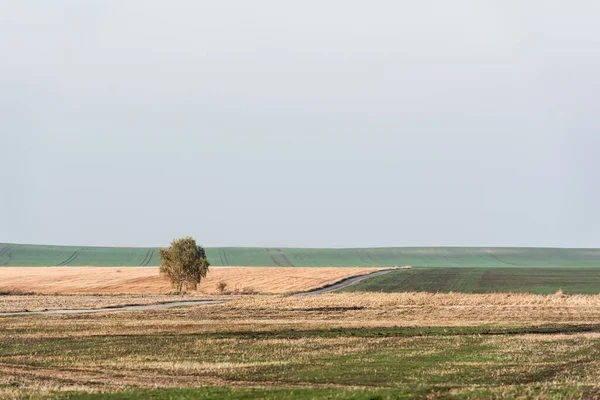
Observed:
{"x":183,"y":263}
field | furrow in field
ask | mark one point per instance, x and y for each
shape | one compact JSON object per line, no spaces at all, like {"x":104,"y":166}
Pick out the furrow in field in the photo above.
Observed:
{"x":151,"y":256}
{"x":277,"y":262}
{"x":495,"y":257}
{"x":359,"y":253}
{"x":5,"y":252}
{"x":370,"y":257}
{"x":284,"y":258}
{"x":448,"y":257}
{"x":71,"y":258}
{"x":147,"y":258}
{"x":225,"y":257}
{"x":221,"y":258}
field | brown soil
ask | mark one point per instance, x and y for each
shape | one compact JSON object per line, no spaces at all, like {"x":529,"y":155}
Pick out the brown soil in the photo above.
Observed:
{"x":146,"y":280}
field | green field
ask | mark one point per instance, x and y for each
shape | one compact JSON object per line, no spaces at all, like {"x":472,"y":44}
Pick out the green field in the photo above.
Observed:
{"x":475,"y":257}
{"x":485,"y":280}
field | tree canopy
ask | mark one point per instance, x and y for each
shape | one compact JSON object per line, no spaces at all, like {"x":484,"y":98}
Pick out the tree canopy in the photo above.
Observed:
{"x":184,"y":264}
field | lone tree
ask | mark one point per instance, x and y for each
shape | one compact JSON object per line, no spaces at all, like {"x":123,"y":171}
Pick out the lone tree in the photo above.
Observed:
{"x":183,"y":263}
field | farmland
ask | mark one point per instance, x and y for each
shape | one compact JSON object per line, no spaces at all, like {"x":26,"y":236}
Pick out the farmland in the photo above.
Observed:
{"x":419,"y":337}
{"x":146,"y":280}
{"x":485,"y":280}
{"x":475,"y":257}
{"x":350,"y":345}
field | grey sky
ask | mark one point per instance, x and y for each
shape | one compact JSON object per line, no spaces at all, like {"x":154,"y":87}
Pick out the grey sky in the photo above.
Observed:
{"x":300,"y":123}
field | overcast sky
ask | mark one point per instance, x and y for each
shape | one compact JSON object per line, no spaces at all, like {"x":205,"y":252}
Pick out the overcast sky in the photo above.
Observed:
{"x":300,"y":123}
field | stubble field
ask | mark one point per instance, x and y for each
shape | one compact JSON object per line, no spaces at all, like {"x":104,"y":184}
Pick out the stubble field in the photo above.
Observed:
{"x":351,"y":345}
{"x":422,"y":340}
{"x":146,"y":280}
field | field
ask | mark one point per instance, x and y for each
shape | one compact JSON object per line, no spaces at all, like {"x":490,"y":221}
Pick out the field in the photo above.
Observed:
{"x":34,"y":302}
{"x":421,"y":340}
{"x":38,"y":255}
{"x":485,"y":280}
{"x":352,"y":345}
{"x":146,"y":280}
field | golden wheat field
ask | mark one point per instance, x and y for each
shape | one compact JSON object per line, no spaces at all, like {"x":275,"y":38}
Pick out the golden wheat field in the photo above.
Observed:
{"x":146,"y":280}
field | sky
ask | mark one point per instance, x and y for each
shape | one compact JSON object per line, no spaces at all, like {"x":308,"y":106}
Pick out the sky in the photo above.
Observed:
{"x":300,"y":123}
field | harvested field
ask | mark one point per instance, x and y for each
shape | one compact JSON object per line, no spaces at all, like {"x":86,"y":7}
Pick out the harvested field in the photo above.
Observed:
{"x":279,"y":313}
{"x":146,"y":280}
{"x":19,"y":303}
{"x":351,"y":345}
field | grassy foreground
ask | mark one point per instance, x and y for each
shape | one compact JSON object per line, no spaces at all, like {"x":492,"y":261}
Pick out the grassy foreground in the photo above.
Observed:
{"x":38,"y":255}
{"x":485,"y":280}
{"x":360,"y":346}
{"x":327,"y":394}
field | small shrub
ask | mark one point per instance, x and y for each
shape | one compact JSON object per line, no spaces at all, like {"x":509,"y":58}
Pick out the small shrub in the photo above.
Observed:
{"x":14,"y":292}
{"x":242,"y":291}
{"x":248,"y":290}
{"x":221,"y":286}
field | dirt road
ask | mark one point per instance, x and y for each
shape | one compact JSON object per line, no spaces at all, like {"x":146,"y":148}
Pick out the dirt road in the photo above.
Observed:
{"x":340,"y":284}
{"x":344,"y":283}
{"x":160,"y":306}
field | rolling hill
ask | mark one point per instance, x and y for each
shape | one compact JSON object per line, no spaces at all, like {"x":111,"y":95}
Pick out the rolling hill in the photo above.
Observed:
{"x":474,"y":257}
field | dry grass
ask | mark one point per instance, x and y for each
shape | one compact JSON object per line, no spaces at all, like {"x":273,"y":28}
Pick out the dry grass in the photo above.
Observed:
{"x":291,"y":341}
{"x":409,"y":309}
{"x":277,"y":313}
{"x":146,"y":280}
{"x":18,"y":303}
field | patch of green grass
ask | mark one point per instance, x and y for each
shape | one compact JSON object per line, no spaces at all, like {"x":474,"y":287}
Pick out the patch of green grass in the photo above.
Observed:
{"x":485,"y":280}
{"x":551,"y":361}
{"x":323,"y":394}
{"x":187,"y":346}
{"x":417,"y":331}
{"x":243,"y":393}
{"x":432,"y":362}
{"x":331,"y":393}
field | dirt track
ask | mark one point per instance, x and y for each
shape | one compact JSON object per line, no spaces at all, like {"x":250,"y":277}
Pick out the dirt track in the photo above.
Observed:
{"x":142,"y":307}
{"x":344,"y":283}
{"x":60,"y":275}
{"x":146,"y":280}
